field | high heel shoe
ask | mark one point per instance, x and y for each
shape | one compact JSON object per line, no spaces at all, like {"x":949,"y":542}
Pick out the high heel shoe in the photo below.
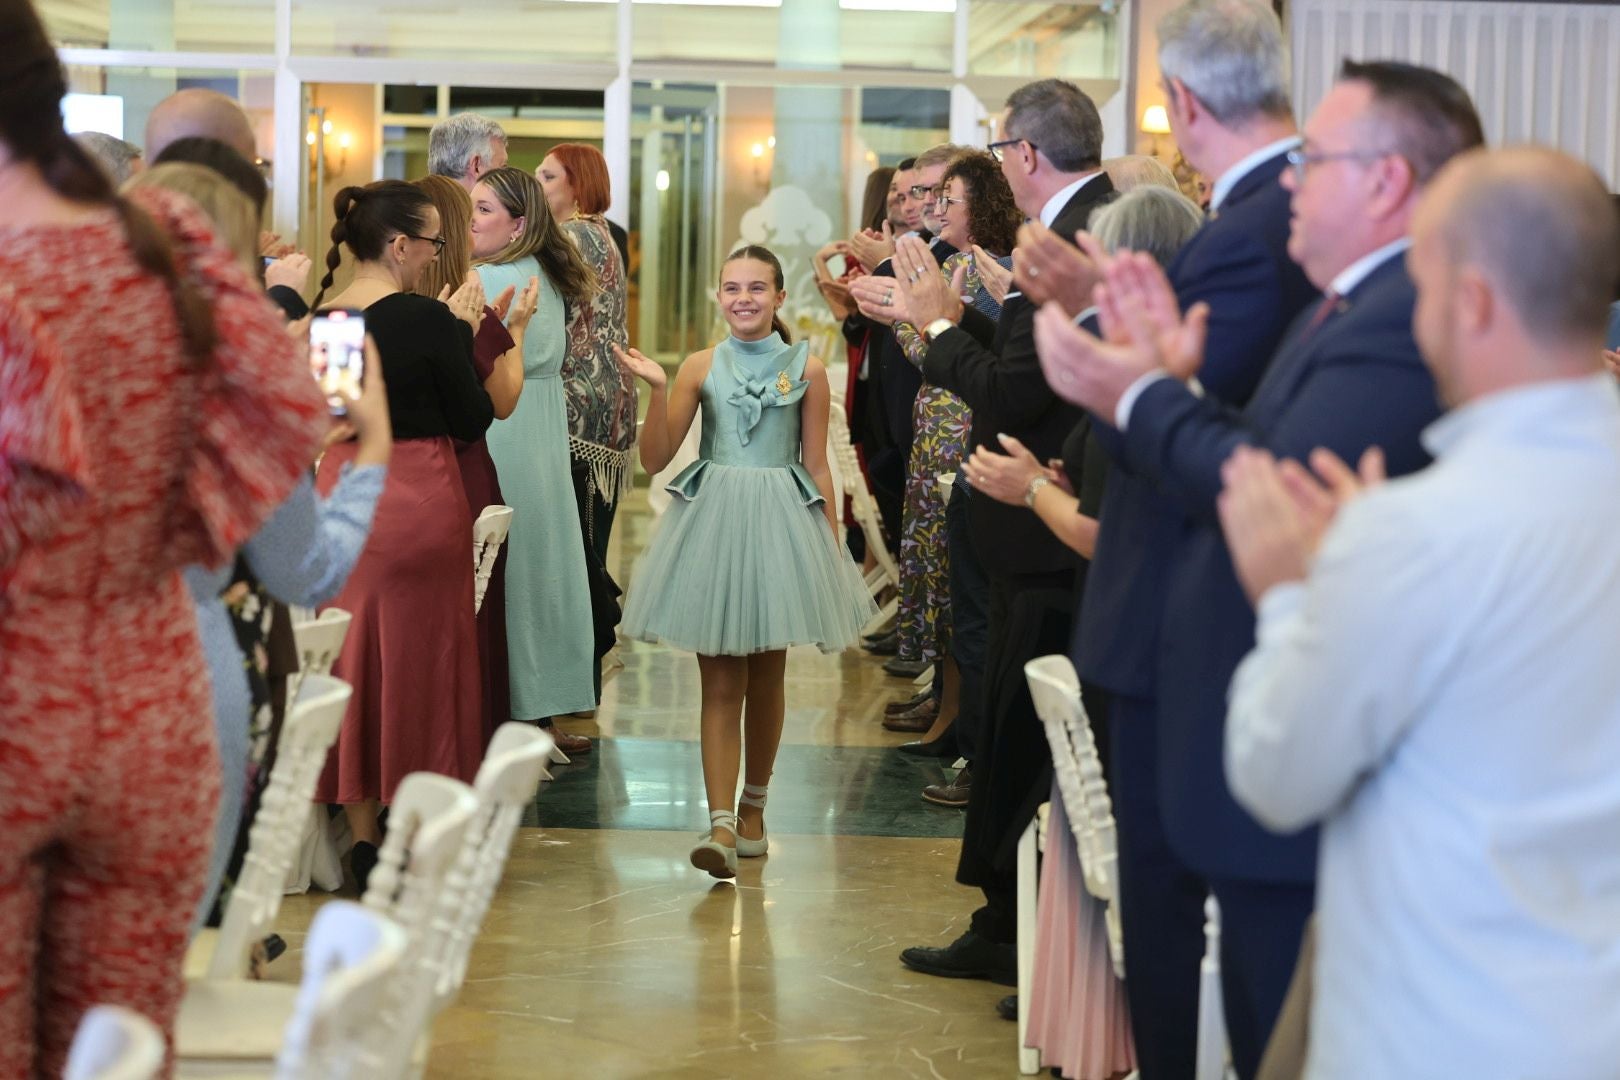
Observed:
{"x":713,"y":857}
{"x":752,"y":849}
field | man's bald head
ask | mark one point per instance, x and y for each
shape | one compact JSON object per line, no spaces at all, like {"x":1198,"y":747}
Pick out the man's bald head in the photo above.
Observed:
{"x":1541,"y":227}
{"x":201,"y":113}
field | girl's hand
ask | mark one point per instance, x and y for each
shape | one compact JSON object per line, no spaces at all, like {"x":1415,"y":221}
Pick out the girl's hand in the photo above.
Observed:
{"x":638,"y":364}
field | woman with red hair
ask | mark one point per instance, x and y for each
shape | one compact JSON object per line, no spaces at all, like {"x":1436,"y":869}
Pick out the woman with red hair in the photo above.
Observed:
{"x":601,"y":395}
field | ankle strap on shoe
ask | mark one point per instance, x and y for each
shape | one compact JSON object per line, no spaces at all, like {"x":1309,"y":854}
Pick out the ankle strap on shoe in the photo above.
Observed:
{"x":723,"y":819}
{"x":752,"y":796}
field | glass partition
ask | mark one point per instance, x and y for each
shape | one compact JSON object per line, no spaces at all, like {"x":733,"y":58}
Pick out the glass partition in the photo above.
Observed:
{"x":513,"y":31}
{"x":245,"y":26}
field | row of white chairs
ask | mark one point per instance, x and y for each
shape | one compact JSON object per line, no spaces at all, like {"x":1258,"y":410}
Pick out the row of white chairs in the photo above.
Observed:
{"x":1077,"y":770}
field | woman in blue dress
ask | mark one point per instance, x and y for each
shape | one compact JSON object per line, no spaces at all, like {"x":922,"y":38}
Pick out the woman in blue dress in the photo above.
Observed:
{"x":746,"y":561}
{"x":548,"y":605}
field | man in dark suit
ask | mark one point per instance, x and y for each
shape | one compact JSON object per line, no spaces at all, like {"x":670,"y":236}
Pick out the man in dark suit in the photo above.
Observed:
{"x":1347,"y":376}
{"x":1051,"y":157}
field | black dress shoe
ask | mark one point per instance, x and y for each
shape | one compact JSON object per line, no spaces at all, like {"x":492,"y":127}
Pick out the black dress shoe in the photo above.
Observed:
{"x":906,"y":669}
{"x":887,"y":645}
{"x":1007,"y":1008}
{"x":362,"y":860}
{"x":968,"y":957}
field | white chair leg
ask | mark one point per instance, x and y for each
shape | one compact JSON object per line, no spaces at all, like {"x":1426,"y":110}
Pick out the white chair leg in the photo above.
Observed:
{"x":558,"y":757}
{"x":1211,"y":1059}
{"x":1029,"y":1058}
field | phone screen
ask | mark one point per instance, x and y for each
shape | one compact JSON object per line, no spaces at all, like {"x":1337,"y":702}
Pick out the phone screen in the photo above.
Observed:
{"x":337,"y":355}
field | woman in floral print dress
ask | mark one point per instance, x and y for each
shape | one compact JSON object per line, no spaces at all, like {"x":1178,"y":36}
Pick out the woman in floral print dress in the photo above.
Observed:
{"x":977,"y":208}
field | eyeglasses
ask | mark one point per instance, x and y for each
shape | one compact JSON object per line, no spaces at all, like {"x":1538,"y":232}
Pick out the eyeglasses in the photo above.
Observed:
{"x":998,"y":149}
{"x":438,"y":242}
{"x":948,"y":201}
{"x":923,"y":192}
{"x":1300,"y":159}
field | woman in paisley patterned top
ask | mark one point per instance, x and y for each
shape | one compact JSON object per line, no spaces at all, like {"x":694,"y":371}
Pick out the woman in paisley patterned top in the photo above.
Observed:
{"x":601,"y":394}
{"x":977,"y":209}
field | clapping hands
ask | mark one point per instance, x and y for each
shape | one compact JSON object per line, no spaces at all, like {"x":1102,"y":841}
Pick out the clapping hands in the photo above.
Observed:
{"x":467,"y":302}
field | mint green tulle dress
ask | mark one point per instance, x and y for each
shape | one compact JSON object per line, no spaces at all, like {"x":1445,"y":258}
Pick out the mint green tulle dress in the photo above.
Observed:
{"x":743,"y":561}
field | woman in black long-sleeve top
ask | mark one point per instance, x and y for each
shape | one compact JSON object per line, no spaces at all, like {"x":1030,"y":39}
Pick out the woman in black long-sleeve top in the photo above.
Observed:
{"x":412,"y":649}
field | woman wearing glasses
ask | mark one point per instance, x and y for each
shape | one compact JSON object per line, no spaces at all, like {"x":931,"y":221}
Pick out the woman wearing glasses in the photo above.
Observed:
{"x":412,"y":650}
{"x":979,"y":219}
{"x":549,"y":645}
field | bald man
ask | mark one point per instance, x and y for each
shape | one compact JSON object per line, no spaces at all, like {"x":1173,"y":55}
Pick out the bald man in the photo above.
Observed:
{"x":1435,"y":682}
{"x":203,"y":113}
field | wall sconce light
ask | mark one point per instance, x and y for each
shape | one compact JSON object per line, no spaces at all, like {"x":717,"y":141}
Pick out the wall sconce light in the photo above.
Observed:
{"x":757,"y":152}
{"x":1155,"y":122}
{"x":329,"y":148}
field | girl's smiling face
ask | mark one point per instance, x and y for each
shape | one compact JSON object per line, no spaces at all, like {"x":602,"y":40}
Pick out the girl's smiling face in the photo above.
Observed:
{"x":493,"y":226}
{"x":749,"y":297}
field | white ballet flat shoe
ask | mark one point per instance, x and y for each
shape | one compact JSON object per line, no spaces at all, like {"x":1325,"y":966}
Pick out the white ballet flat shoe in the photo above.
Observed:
{"x":713,"y":857}
{"x":753,"y":849}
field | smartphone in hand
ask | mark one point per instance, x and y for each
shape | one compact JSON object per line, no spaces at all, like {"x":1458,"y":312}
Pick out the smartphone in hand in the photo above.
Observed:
{"x":337,"y":355}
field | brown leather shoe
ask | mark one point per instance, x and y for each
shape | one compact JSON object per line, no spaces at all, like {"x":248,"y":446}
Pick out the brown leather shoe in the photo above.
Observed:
{"x":919,"y":719}
{"x":895,"y":708}
{"x":954,"y":793}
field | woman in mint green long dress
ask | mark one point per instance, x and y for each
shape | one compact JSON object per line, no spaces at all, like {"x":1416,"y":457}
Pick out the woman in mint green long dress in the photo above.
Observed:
{"x":746,"y":561}
{"x":548,"y":605}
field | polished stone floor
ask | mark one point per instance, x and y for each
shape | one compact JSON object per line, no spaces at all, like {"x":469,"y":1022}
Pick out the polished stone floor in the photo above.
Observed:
{"x":606,"y":955}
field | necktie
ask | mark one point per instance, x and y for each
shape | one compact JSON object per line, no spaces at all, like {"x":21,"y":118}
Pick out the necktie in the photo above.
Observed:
{"x":1330,"y":301}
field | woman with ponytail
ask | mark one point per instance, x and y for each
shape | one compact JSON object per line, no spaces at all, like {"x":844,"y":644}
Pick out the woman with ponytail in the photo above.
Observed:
{"x":152,"y":414}
{"x":746,"y":562}
{"x":548,"y":604}
{"x":412,"y":649}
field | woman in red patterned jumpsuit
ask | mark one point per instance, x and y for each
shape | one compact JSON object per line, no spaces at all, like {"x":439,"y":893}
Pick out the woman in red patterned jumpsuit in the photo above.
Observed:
{"x":152,"y":413}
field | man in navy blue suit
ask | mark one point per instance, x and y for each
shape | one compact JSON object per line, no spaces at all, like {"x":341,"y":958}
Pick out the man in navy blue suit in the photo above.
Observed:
{"x":1347,"y":376}
{"x":1224,"y":66}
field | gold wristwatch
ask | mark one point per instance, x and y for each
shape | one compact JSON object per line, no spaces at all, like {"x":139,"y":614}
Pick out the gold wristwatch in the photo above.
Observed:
{"x":936,"y":328}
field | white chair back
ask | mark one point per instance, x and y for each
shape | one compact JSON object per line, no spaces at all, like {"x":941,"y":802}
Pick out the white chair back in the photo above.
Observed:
{"x":306,"y":735}
{"x":887,"y":571}
{"x":414,"y":883}
{"x":351,"y":956}
{"x":319,"y":642}
{"x":1077,"y":769}
{"x":115,"y":1043}
{"x":489,"y":533}
{"x":1212,"y":1053}
{"x":513,"y":768}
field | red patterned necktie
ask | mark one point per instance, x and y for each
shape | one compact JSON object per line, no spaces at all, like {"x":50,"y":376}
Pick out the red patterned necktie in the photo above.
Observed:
{"x":1330,"y":300}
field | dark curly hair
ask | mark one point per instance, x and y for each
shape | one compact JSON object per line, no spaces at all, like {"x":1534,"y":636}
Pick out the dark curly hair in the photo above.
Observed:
{"x":993,"y":216}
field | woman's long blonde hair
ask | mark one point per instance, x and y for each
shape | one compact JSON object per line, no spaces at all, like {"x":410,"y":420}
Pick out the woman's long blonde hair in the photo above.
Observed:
{"x":455,"y":225}
{"x":236,"y":221}
{"x":542,"y":237}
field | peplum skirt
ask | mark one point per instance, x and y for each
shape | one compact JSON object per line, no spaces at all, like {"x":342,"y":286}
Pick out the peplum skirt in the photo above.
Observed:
{"x":744,"y":562}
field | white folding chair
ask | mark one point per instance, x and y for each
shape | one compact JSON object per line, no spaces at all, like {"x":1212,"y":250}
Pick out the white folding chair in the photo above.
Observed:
{"x":115,"y":1043}
{"x":307,"y":734}
{"x":232,"y":1027}
{"x":514,"y":765}
{"x":350,"y":956}
{"x":489,"y":533}
{"x":319,"y":642}
{"x":887,"y":571}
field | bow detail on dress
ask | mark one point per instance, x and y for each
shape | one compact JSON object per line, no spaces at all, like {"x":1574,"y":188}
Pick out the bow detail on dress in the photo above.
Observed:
{"x":753,"y":396}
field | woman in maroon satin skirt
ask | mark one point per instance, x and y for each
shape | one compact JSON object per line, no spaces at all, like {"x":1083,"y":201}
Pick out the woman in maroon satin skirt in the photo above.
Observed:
{"x":412,"y":650}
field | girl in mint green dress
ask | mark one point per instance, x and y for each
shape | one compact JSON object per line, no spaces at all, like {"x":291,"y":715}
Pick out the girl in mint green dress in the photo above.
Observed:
{"x":746,"y":561}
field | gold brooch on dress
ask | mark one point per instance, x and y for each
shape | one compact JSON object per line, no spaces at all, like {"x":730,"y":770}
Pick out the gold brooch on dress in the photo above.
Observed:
{"x":784,"y":385}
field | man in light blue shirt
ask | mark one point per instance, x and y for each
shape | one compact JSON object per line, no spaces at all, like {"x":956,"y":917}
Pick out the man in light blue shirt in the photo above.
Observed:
{"x":1436,"y":683}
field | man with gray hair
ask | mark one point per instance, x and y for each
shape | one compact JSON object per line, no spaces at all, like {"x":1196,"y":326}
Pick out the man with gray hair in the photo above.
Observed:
{"x":121,"y":159}
{"x":466,"y":146}
{"x":1225,"y":75}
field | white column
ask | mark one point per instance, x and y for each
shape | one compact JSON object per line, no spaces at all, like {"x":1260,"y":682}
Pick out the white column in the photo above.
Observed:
{"x":616,"y":108}
{"x":287,"y":178}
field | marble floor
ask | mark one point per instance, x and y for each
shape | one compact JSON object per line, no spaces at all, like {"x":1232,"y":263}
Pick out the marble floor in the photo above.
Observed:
{"x":605,"y":954}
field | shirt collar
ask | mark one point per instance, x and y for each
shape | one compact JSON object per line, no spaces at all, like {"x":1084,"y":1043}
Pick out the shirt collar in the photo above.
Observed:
{"x":1233,"y":176}
{"x":1543,"y":406}
{"x":1347,"y":279}
{"x":1054,"y":206}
